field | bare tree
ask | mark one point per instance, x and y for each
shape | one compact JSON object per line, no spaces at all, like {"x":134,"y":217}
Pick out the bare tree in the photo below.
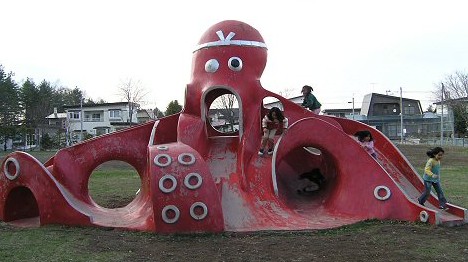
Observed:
{"x":455,"y":95}
{"x":225,"y":104}
{"x":456,"y":85}
{"x":287,"y":92}
{"x":133,"y":93}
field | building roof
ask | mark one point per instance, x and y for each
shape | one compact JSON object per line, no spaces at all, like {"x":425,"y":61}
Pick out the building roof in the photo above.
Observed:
{"x":369,"y":98}
{"x":145,"y":113}
{"x":57,"y":116}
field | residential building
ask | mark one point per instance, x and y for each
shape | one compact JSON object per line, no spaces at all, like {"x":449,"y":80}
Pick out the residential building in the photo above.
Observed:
{"x":55,"y":128}
{"x":145,"y":115}
{"x":386,"y":113}
{"x":56,"y":121}
{"x":98,"y":119}
{"x":452,"y":109}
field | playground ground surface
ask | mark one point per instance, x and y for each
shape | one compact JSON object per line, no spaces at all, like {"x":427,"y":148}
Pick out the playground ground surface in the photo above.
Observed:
{"x":365,"y":241}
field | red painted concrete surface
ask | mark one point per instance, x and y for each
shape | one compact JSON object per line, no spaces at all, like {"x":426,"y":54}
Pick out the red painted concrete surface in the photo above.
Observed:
{"x":197,"y":179}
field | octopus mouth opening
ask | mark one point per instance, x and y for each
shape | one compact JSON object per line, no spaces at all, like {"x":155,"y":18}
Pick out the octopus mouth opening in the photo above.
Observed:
{"x":222,"y":111}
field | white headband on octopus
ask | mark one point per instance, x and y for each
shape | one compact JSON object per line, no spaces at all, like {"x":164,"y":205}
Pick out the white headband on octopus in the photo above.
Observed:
{"x":224,"y":41}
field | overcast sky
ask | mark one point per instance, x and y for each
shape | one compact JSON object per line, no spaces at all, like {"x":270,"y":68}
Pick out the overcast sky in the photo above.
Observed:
{"x":341,"y":48}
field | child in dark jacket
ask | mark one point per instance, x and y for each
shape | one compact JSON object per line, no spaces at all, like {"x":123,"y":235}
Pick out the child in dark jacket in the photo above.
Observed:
{"x":310,"y":101}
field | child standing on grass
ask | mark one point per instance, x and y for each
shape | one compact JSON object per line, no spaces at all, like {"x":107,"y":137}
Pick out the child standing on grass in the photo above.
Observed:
{"x":431,"y":177}
{"x":272,"y":122}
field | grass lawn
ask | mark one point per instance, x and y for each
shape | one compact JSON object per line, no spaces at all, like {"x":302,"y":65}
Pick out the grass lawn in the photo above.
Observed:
{"x":368,"y":240}
{"x":454,"y":172}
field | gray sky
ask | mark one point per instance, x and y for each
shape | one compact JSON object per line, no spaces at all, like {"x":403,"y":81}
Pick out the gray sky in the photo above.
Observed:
{"x":341,"y":48}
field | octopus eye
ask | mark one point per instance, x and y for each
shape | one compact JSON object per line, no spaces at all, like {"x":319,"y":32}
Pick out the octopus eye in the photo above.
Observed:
{"x":235,"y":63}
{"x":211,"y":66}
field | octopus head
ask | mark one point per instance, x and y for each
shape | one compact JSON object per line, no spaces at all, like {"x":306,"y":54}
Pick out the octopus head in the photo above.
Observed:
{"x":230,"y":50}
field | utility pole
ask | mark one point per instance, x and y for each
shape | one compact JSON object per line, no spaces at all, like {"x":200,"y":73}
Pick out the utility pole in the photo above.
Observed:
{"x":67,"y":131}
{"x":401,"y":115}
{"x":442,"y":116}
{"x":353,"y":105}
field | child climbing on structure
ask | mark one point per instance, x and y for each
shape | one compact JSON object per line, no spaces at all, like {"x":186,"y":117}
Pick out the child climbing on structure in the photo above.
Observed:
{"x":366,"y":141}
{"x":272,"y":122}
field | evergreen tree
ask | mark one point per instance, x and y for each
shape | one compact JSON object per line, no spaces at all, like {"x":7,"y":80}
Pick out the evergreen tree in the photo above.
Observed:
{"x":158,"y":113}
{"x":10,"y":109}
{"x":45,"y":104}
{"x":29,"y":96}
{"x":46,"y":142}
{"x":173,"y":108}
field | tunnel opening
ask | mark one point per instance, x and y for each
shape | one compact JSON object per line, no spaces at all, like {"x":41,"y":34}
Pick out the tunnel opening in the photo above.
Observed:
{"x":305,"y":177}
{"x":114,"y":184}
{"x":21,"y":205}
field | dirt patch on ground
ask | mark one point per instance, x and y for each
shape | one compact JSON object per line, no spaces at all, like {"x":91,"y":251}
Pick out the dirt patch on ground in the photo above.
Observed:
{"x":367,"y":241}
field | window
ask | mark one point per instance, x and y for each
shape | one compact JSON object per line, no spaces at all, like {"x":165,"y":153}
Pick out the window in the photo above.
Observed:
{"x":392,"y":130}
{"x":92,"y":117}
{"x":385,"y":109}
{"x":74,"y":115}
{"x":409,"y":110}
{"x":115,"y":113}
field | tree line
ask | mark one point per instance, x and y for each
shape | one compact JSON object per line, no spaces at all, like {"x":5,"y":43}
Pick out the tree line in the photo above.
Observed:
{"x":25,"y":106}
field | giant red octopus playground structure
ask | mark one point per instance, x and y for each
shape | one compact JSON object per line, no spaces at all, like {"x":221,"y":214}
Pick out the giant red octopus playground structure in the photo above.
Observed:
{"x":195,"y":178}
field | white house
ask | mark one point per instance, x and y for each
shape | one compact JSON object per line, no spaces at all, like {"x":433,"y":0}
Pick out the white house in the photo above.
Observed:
{"x":448,"y":109}
{"x":98,"y":119}
{"x":56,"y":119}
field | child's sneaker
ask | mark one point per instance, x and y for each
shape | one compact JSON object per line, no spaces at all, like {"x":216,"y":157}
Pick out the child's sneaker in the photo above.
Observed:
{"x":260,"y":152}
{"x":419,"y":201}
{"x":270,"y":151}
